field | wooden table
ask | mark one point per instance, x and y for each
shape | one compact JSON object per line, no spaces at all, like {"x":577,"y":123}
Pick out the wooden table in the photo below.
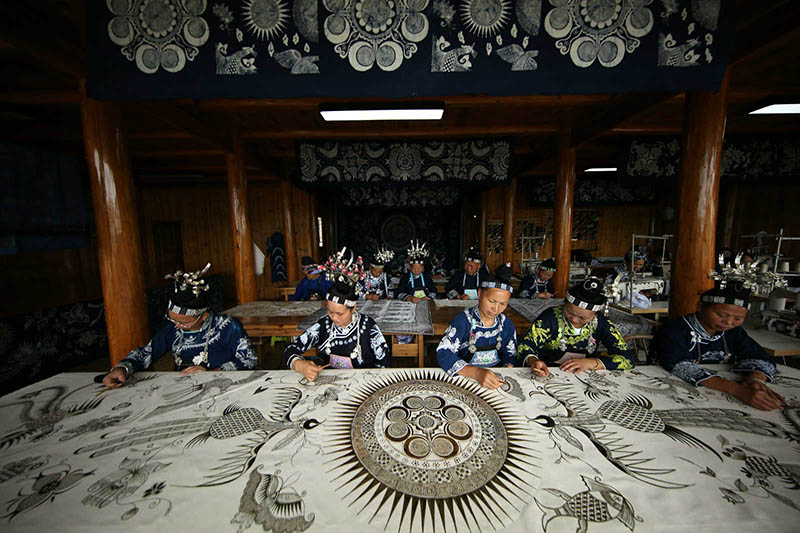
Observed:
{"x":380,"y":451}
{"x":776,"y":344}
{"x":656,"y":308}
{"x":264,"y":324}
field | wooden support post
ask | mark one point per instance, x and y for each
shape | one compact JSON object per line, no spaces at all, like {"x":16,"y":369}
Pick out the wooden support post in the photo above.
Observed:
{"x":119,"y":246}
{"x":288,"y":231}
{"x":508,"y":223}
{"x":701,"y":154}
{"x":484,"y":238}
{"x":243,"y":257}
{"x":562,"y":217}
{"x":312,"y":204}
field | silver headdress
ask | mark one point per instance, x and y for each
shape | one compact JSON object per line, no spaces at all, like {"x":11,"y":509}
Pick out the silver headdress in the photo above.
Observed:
{"x":748,"y":276}
{"x":344,"y":267}
{"x":383,"y":256}
{"x":190,"y":280}
{"x":418,"y":252}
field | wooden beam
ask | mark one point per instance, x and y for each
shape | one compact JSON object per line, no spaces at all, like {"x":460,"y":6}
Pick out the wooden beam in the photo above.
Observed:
{"x":243,"y":257}
{"x":403,"y":130}
{"x":562,"y":215}
{"x":177,"y":154}
{"x":775,"y":20}
{"x":41,"y":97}
{"x":183,"y":120}
{"x":118,"y":241}
{"x":701,"y":154}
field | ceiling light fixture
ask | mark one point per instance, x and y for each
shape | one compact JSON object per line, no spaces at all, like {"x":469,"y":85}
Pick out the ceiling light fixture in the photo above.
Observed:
{"x":777,"y":109}
{"x":382,"y":111}
{"x":601,"y":169}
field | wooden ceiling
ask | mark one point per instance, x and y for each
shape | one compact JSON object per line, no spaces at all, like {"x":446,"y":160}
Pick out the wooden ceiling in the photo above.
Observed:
{"x":41,"y":66}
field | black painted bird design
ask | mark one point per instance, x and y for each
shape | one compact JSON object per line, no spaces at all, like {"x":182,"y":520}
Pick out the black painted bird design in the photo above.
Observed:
{"x":599,"y":503}
{"x":196,"y":393}
{"x":39,"y":421}
{"x":635,"y":413}
{"x":235,"y":421}
{"x":267,"y":501}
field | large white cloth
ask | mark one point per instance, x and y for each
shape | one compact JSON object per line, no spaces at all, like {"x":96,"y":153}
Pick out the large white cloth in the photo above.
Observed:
{"x":608,"y":451}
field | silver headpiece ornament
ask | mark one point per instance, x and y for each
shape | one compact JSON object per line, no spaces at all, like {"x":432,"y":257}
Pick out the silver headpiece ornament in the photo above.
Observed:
{"x":384,"y":255}
{"x":418,"y":251}
{"x":748,"y":275}
{"x":344,"y":267}
{"x":193,"y":280}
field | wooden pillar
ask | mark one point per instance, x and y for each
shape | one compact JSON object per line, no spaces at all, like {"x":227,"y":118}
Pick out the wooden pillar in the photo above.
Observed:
{"x":484,"y":238}
{"x":119,"y":246}
{"x":508,"y":223}
{"x":701,"y":154}
{"x":288,"y":231}
{"x":312,"y":204}
{"x":562,"y":215}
{"x":243,"y":258}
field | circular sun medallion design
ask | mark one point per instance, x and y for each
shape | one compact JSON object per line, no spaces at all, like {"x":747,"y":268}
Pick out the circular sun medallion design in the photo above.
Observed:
{"x":598,"y":30}
{"x":430,"y":439}
{"x":158,"y":33}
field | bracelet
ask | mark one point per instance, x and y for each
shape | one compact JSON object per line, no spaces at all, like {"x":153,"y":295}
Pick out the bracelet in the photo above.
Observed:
{"x":124,"y":368}
{"x":596,"y":364}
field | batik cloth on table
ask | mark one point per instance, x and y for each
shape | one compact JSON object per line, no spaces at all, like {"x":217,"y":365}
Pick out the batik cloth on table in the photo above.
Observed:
{"x":392,"y":316}
{"x":455,"y":303}
{"x":551,"y":336}
{"x":682,"y":345}
{"x":602,"y":451}
{"x":221,"y":342}
{"x":360,"y":344}
{"x":467,"y":341}
{"x":272,"y":309}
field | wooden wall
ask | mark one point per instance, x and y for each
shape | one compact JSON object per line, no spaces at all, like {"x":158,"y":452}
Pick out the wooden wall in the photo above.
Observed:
{"x":616,"y":223}
{"x":768,"y":208}
{"x":204,"y":216}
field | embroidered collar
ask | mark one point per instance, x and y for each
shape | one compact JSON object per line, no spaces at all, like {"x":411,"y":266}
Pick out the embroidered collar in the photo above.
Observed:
{"x":476,"y":316}
{"x":698,"y":332}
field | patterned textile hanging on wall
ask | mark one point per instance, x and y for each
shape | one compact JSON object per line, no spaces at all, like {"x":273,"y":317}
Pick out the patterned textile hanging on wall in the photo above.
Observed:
{"x":143,"y":49}
{"x":472,"y":162}
{"x":774,"y":159}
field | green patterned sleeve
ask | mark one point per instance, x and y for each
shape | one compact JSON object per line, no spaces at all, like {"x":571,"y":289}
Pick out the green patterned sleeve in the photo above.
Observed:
{"x":541,"y":331}
{"x":620,"y":356}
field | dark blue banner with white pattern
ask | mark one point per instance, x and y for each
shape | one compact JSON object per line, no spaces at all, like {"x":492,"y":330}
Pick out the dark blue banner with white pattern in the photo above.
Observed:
{"x":149,"y":49}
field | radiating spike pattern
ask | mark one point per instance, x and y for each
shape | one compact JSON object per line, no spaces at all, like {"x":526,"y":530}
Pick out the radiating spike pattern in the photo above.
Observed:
{"x":421,"y":450}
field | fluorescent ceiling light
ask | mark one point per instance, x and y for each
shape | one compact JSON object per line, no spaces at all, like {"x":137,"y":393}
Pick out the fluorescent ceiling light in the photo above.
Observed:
{"x":601,"y":169}
{"x":777,"y":109}
{"x":382,"y":114}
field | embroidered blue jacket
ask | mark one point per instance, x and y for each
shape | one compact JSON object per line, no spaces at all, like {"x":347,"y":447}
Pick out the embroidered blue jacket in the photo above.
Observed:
{"x":682,"y":345}
{"x":307,"y":287}
{"x":531,"y":286}
{"x":408,"y":285}
{"x":382,"y":286}
{"x":453,"y":352}
{"x":228,"y":346}
{"x":460,"y":281}
{"x":361,"y":340}
{"x":551,"y":335}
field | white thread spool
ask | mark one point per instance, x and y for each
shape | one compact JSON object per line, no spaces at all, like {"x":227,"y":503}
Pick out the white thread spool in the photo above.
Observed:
{"x":763,"y":268}
{"x":784,"y":266}
{"x":776,"y":304}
